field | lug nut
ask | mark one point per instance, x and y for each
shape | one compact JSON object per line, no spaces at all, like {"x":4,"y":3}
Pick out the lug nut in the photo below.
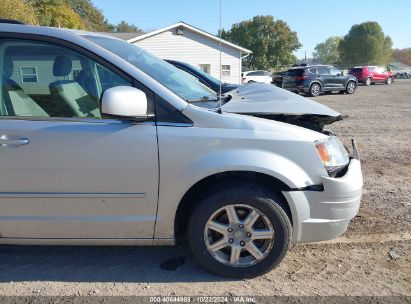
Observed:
{"x":248,"y":234}
{"x":242,"y":243}
{"x":231,"y":241}
{"x":241,"y":226}
{"x":230,"y":229}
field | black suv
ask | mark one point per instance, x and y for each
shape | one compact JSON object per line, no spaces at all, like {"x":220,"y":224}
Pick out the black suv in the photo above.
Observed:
{"x":318,"y":78}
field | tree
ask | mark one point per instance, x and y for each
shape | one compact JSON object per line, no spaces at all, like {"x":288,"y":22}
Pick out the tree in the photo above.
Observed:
{"x":125,"y":27}
{"x":366,"y":44}
{"x":271,"y":41}
{"x":18,"y":10}
{"x":92,"y":17}
{"x":56,"y":13}
{"x":327,"y":52}
{"x":403,"y":56}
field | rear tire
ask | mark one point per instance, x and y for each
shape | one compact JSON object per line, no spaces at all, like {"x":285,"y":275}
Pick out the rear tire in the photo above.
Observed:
{"x":368,"y":81}
{"x":315,"y":90}
{"x":225,"y":243}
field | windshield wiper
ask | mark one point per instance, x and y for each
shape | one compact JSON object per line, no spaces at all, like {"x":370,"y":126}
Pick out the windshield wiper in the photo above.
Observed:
{"x":202,"y":99}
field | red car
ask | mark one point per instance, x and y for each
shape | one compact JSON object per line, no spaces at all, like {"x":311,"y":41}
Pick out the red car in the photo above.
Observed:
{"x":372,"y":74}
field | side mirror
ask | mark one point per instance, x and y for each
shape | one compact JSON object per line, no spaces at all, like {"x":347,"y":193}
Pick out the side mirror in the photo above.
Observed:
{"x":125,"y":102}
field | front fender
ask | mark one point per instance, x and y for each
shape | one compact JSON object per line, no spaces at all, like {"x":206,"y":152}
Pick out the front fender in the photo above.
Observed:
{"x":173,"y":188}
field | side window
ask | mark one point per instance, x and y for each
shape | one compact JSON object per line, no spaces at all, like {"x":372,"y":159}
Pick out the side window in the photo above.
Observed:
{"x":312,"y":70}
{"x":334,"y":71}
{"x":380,"y":70}
{"x":323,"y":71}
{"x":48,"y":80}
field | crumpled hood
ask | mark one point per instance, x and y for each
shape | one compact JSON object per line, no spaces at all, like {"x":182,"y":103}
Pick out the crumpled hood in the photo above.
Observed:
{"x":267,"y":99}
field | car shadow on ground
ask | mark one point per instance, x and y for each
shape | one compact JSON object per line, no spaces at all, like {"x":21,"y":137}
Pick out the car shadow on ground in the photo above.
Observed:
{"x":100,"y":264}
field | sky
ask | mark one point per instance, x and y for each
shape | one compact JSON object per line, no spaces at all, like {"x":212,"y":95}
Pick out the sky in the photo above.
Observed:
{"x":314,"y":21}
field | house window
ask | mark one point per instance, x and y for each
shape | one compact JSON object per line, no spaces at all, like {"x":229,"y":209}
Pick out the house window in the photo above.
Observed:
{"x":206,"y":68}
{"x":76,"y":73}
{"x":28,"y":74}
{"x":225,"y":70}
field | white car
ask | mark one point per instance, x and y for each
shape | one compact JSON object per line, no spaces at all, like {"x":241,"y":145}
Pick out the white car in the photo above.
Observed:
{"x":102,"y":143}
{"x":256,"y":76}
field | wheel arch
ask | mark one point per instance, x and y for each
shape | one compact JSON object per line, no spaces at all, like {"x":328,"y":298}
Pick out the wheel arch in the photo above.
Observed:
{"x":316,"y":81}
{"x":209,"y":183}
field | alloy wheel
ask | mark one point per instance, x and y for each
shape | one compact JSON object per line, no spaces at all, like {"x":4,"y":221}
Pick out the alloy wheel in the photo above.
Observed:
{"x":368,"y":81}
{"x":315,"y":89}
{"x":238,"y":235}
{"x":351,"y":87}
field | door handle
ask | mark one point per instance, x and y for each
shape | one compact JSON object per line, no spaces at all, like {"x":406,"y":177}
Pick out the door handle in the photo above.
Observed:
{"x":6,"y":141}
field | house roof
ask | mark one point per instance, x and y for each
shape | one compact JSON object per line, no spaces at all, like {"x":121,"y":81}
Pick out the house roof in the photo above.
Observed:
{"x":124,"y":36}
{"x":191,"y":28}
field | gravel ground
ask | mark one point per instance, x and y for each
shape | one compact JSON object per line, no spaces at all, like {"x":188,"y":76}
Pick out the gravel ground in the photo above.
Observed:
{"x":372,"y":259}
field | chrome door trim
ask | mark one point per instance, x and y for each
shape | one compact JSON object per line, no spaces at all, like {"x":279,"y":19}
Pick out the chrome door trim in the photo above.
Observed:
{"x":70,"y":195}
{"x":106,"y":218}
{"x":76,"y":119}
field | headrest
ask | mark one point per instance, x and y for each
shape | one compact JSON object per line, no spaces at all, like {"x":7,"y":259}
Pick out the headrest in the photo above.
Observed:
{"x":8,"y":68}
{"x":62,"y":66}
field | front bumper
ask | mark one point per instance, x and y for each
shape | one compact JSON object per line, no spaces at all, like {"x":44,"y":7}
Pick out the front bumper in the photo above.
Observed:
{"x":323,"y":215}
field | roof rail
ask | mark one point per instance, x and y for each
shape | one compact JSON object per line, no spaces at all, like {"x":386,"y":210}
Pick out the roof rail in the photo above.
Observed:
{"x":11,"y":21}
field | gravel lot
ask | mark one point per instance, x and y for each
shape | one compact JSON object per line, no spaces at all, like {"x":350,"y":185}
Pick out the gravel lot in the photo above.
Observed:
{"x":373,"y":258}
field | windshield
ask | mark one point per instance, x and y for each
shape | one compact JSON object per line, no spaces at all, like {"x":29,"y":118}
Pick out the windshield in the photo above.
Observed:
{"x":171,"y":77}
{"x":210,"y":78}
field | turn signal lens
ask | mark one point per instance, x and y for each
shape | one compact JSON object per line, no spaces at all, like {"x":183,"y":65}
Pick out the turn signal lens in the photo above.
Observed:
{"x":322,"y":152}
{"x":332,"y":154}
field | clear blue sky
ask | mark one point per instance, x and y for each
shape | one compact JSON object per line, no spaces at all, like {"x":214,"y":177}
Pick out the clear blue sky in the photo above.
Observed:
{"x":314,"y":21}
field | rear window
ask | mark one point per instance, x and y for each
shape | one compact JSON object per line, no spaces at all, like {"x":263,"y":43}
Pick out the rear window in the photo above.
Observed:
{"x":356,"y":70}
{"x":295,"y":72}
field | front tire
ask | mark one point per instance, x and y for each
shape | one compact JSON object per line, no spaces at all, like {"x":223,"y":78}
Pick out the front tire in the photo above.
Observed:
{"x":315,"y":90}
{"x":389,"y":80}
{"x":351,"y":87}
{"x":239,"y":230}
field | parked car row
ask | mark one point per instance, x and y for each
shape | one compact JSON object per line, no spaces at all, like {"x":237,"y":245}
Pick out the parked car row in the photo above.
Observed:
{"x":316,"y":79}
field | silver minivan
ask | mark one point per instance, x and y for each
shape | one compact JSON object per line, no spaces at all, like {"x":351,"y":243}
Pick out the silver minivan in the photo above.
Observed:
{"x":102,"y":143}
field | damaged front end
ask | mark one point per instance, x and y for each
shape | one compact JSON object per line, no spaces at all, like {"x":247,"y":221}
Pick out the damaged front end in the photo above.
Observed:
{"x":270,"y":102}
{"x":308,"y":121}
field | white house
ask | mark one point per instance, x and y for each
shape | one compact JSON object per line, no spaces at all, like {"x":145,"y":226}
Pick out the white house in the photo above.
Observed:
{"x":183,"y":42}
